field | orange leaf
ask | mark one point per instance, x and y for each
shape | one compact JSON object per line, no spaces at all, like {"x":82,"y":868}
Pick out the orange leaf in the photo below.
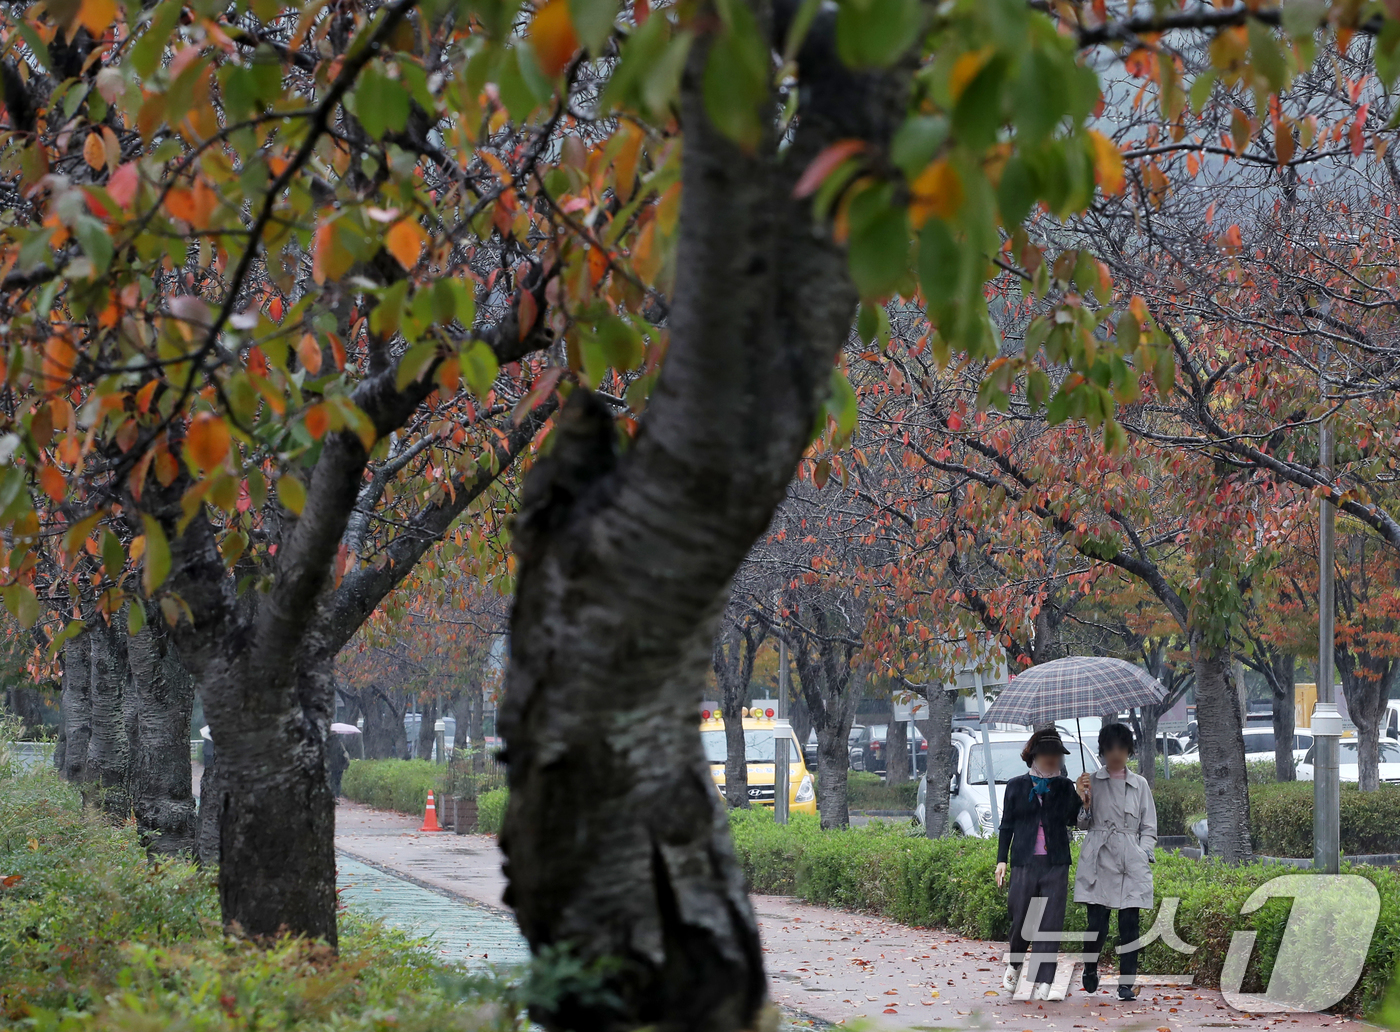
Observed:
{"x":52,"y":481}
{"x":143,"y":396}
{"x":1108,"y":163}
{"x":405,"y":241}
{"x":329,"y":259}
{"x":94,"y":151}
{"x":553,"y":34}
{"x":824,"y":164}
{"x":97,"y":16}
{"x":59,"y":359}
{"x":318,"y":421}
{"x":936,"y":191}
{"x":207,"y":440}
{"x":310,"y":354}
{"x":526,"y":313}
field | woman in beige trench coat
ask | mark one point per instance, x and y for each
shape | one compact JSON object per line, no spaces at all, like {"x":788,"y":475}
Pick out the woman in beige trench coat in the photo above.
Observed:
{"x":1115,"y":859}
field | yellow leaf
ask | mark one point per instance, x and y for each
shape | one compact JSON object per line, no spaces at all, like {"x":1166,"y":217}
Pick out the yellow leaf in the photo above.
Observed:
{"x":1108,"y":163}
{"x":207,"y":440}
{"x":405,"y":241}
{"x":937,"y":191}
{"x":330,"y":259}
{"x":552,"y":32}
{"x":94,"y":151}
{"x":291,"y":493}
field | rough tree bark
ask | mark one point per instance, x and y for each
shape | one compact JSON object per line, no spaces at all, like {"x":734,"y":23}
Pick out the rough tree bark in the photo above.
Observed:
{"x":163,"y":693}
{"x":735,"y":648}
{"x":615,"y":844}
{"x":896,"y":750}
{"x":1221,"y":731}
{"x":1280,"y":673}
{"x":108,"y":772}
{"x":822,"y":652}
{"x":77,"y":706}
{"x":1366,"y":682}
{"x":1147,"y":717}
{"x":427,"y":728}
{"x":938,"y":729}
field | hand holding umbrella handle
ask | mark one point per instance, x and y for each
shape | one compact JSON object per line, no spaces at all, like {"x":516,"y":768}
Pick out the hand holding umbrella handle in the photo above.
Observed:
{"x":1081,"y":785}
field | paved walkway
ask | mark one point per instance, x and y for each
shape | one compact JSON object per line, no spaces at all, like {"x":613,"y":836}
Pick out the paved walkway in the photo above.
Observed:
{"x":832,"y":965}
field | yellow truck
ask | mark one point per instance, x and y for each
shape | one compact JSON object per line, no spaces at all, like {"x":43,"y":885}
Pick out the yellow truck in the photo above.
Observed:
{"x":759,"y":752}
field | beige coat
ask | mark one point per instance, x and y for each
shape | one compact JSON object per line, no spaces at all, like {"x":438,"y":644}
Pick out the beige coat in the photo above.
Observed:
{"x":1114,"y":859}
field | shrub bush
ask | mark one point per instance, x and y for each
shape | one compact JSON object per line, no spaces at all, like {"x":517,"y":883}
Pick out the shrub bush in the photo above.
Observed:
{"x":400,"y":785}
{"x":1281,"y":818}
{"x":1259,"y":772}
{"x":868,"y":791}
{"x":949,"y":883}
{"x":491,"y":811}
{"x":94,"y":936}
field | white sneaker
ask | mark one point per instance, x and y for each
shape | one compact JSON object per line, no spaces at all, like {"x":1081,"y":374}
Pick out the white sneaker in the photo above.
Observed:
{"x":1042,"y":991}
{"x":1054,"y":993}
{"x":1008,"y":980}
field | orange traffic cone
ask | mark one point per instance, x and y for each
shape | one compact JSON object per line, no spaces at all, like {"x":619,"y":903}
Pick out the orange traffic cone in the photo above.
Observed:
{"x":430,"y":815}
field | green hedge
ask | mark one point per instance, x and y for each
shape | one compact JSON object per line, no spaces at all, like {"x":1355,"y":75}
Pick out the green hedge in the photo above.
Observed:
{"x":1281,"y":822}
{"x":400,"y":785}
{"x":96,"y":937}
{"x":1259,"y":772}
{"x":491,"y":811}
{"x":868,"y":791}
{"x":948,"y":883}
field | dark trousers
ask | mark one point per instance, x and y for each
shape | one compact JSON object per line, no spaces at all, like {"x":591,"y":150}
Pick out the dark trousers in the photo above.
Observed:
{"x":1127,"y":932}
{"x":1038,"y":878}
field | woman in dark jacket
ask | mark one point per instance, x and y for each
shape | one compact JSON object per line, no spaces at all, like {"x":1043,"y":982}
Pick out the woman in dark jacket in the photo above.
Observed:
{"x":1038,"y":809}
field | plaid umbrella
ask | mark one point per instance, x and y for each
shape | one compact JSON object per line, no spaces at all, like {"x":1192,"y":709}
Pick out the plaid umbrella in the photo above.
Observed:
{"x":1077,"y":686}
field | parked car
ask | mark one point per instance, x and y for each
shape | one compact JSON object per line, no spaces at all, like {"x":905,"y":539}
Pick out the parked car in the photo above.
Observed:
{"x":874,"y":750}
{"x":809,"y":751}
{"x":970,"y":810}
{"x":1347,"y":765}
{"x":1258,"y":745}
{"x":759,"y":753}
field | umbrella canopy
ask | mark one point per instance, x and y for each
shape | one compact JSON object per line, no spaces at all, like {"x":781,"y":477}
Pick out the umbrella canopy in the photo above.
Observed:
{"x":345,"y":729}
{"x":1077,"y":686}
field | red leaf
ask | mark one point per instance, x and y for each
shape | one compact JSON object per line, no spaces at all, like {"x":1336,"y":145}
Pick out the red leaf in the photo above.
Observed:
{"x":526,"y":313}
{"x":824,"y":164}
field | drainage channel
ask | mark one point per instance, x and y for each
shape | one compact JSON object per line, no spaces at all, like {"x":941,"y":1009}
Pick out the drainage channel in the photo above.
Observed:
{"x":463,"y":932}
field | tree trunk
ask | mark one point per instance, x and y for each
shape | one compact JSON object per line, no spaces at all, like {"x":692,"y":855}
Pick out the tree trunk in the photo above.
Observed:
{"x":736,"y":763}
{"x":1366,"y":683}
{"x":427,"y":728}
{"x":210,"y":809}
{"x":1147,"y":745}
{"x":164,"y":696}
{"x":938,"y":729}
{"x":385,"y":738}
{"x":897,"y":751}
{"x":1222,"y":756}
{"x":109,"y":754}
{"x":1282,"y":685}
{"x":476,"y":712}
{"x":77,"y":706}
{"x":833,"y":772}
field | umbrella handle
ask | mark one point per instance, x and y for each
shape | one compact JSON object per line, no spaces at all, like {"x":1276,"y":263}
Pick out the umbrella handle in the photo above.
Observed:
{"x":1079,"y":733}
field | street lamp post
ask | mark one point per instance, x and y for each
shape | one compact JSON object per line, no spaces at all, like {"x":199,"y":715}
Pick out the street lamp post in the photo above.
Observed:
{"x":782,"y":732}
{"x":1326,"y":720}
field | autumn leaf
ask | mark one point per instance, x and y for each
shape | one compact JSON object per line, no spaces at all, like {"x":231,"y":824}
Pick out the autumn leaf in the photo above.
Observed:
{"x":405,"y":241}
{"x":291,"y":493}
{"x":824,"y":164}
{"x":330,"y":260}
{"x":309,"y":353}
{"x":155,"y":561}
{"x":52,"y":481}
{"x":937,"y":191}
{"x":97,"y":16}
{"x":95,"y":151}
{"x":207,"y":440}
{"x":122,"y":184}
{"x":552,"y":32}
{"x":1108,"y":163}
{"x":318,"y":421}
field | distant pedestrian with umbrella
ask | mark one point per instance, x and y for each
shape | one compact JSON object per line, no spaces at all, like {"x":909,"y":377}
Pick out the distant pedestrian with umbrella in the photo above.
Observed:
{"x":1065,"y":689}
{"x":1115,"y":858}
{"x":1041,"y":805}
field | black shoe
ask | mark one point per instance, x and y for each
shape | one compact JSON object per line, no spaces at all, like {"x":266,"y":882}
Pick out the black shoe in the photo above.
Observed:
{"x":1127,"y":993}
{"x":1091,"y":978}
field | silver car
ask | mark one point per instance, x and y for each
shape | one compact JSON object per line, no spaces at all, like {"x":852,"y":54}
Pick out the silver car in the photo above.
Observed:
{"x":970,"y":810}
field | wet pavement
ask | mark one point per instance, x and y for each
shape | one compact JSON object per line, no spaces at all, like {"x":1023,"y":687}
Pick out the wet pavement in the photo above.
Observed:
{"x":826,"y":966}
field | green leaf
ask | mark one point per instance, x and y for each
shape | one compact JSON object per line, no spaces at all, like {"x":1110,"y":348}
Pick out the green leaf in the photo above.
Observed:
{"x":841,"y":404}
{"x":1268,"y":58}
{"x":977,"y":116}
{"x":1015,"y":193}
{"x":479,"y":368}
{"x":874,"y":33}
{"x":156,"y":562}
{"x":380,"y":103}
{"x":1042,"y":97}
{"x":415,"y":364}
{"x":23,"y":605}
{"x":387,"y":315}
{"x":1200,"y":90}
{"x":291,"y":493}
{"x":879,"y":248}
{"x":113,"y":555}
{"x":940,"y":262}
{"x":593,"y":22}
{"x":96,"y":244}
{"x":917,"y":141}
{"x":146,"y":52}
{"x":135,"y":618}
{"x":735,"y":84}
{"x":1164,"y":372}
